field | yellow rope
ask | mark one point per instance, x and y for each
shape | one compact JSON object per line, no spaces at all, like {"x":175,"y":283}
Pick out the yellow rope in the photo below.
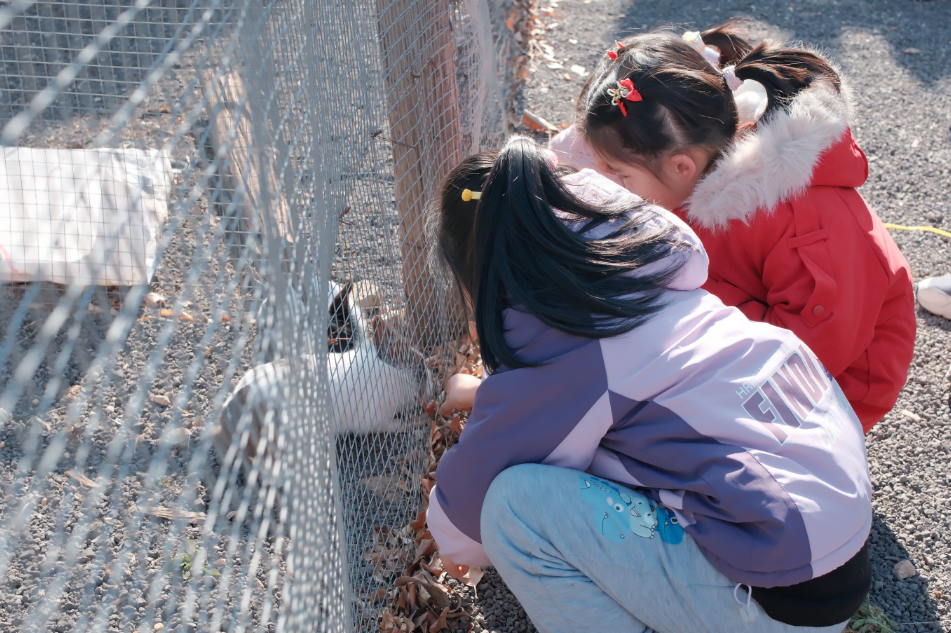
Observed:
{"x":930,"y":229}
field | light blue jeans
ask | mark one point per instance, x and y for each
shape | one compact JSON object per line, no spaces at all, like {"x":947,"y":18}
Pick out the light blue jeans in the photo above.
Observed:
{"x":584,"y":554}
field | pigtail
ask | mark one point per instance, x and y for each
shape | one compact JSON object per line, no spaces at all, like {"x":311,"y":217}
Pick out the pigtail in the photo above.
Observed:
{"x":730,"y":39}
{"x":785,"y":72}
{"x":526,"y":255}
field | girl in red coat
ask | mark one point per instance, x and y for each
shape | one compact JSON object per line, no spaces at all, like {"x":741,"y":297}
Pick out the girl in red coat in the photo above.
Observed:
{"x":758,"y":157}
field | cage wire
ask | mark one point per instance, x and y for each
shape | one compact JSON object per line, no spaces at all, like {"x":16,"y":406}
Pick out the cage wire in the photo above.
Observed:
{"x":218,"y":333}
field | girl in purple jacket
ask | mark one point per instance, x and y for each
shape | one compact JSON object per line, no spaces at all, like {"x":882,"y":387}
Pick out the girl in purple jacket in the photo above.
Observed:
{"x":640,"y":457}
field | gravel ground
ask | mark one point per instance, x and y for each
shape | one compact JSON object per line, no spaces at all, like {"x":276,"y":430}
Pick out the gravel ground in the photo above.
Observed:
{"x":898,"y":55}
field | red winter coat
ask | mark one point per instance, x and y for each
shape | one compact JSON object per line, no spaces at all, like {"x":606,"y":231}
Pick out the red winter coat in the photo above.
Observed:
{"x":791,"y":242}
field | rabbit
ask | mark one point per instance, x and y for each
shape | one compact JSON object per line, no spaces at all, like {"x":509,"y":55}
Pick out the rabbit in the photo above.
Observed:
{"x":374,"y":373}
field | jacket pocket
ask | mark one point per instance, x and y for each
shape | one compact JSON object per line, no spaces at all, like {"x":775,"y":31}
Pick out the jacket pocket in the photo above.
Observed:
{"x":811,"y":243}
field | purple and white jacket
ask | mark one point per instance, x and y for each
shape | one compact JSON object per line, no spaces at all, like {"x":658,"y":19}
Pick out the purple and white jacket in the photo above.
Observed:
{"x":733,"y":424}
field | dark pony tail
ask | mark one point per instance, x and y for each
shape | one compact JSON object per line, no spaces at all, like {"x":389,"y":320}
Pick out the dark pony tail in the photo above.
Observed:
{"x":730,"y":38}
{"x":785,"y":72}
{"x":576,"y":269}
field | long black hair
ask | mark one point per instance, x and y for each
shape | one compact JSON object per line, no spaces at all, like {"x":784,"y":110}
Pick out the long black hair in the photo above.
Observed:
{"x":511,"y":248}
{"x":686,"y":101}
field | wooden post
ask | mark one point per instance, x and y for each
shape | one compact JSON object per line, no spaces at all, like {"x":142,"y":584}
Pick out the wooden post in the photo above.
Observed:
{"x":232,"y":138}
{"x":425,"y":131}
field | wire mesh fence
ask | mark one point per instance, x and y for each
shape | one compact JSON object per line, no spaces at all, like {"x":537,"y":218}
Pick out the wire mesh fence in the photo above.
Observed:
{"x":218,"y":332}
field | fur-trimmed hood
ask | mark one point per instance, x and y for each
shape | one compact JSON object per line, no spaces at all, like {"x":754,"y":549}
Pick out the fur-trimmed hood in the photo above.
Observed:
{"x":779,"y":160}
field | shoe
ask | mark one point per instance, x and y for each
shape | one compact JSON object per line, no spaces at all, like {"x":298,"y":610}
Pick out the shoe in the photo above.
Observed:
{"x":934,"y":295}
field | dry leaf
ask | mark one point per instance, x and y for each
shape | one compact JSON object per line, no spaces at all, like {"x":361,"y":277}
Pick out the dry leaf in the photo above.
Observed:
{"x":167,"y":313}
{"x":184,"y":316}
{"x":164,"y":109}
{"x":537,"y":123}
{"x":473,"y":577}
{"x":81,"y":478}
{"x":160,"y":399}
{"x":436,"y":591}
{"x":231,"y":515}
{"x":94,"y":309}
{"x":72,"y":392}
{"x":172,"y":514}
{"x":440,"y":622}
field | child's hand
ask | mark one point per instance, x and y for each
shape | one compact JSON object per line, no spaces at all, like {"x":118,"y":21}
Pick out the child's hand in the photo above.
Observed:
{"x":454,"y":570}
{"x":460,"y":394}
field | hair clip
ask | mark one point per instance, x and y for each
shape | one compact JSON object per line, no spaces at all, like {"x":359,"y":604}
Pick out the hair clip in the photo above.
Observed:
{"x":625,"y":91}
{"x":613,"y":55}
{"x":469,"y":195}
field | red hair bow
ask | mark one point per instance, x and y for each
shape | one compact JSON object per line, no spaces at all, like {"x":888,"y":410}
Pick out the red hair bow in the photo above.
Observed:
{"x":611,"y":54}
{"x":625,"y":91}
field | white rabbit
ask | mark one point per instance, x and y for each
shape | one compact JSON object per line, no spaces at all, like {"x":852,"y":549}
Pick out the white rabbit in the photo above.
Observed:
{"x":374,"y":374}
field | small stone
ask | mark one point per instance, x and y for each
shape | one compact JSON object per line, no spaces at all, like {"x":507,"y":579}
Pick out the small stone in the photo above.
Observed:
{"x":911,"y":416}
{"x":177,"y":437}
{"x":905,"y":569}
{"x":158,"y":626}
{"x":911,"y":51}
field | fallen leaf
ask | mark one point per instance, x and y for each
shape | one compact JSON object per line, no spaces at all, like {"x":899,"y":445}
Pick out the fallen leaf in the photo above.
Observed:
{"x":94,"y":309}
{"x":438,"y":593}
{"x":473,"y":577}
{"x":173,"y":514}
{"x":81,"y":478}
{"x":420,"y":521}
{"x":566,"y":77}
{"x":579,"y":70}
{"x":537,"y":123}
{"x":167,"y":313}
{"x":911,"y":416}
{"x":555,"y":66}
{"x":164,"y":109}
{"x":510,"y":22}
{"x":114,"y":312}
{"x":440,"y":622}
{"x":160,"y":399}
{"x":184,"y":316}
{"x":72,"y":392}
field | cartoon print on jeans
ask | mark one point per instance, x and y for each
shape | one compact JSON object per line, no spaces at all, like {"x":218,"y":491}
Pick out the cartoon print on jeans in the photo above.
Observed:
{"x":616,"y":511}
{"x":643,"y":517}
{"x":668,"y":525}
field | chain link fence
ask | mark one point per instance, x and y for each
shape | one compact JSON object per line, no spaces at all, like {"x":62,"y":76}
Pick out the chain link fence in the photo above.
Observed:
{"x":218,"y":333}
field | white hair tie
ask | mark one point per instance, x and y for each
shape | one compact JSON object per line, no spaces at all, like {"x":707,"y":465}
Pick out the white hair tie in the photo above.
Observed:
{"x":710,"y":53}
{"x":750,"y":97}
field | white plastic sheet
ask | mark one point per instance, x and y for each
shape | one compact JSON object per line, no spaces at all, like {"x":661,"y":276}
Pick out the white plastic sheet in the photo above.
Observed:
{"x":82,"y":216}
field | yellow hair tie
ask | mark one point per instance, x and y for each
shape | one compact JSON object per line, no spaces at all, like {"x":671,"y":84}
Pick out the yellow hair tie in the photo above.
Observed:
{"x":468,"y":195}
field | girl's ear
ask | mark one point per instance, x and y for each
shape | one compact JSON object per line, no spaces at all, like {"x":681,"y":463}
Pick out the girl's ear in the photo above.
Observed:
{"x":683,"y":167}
